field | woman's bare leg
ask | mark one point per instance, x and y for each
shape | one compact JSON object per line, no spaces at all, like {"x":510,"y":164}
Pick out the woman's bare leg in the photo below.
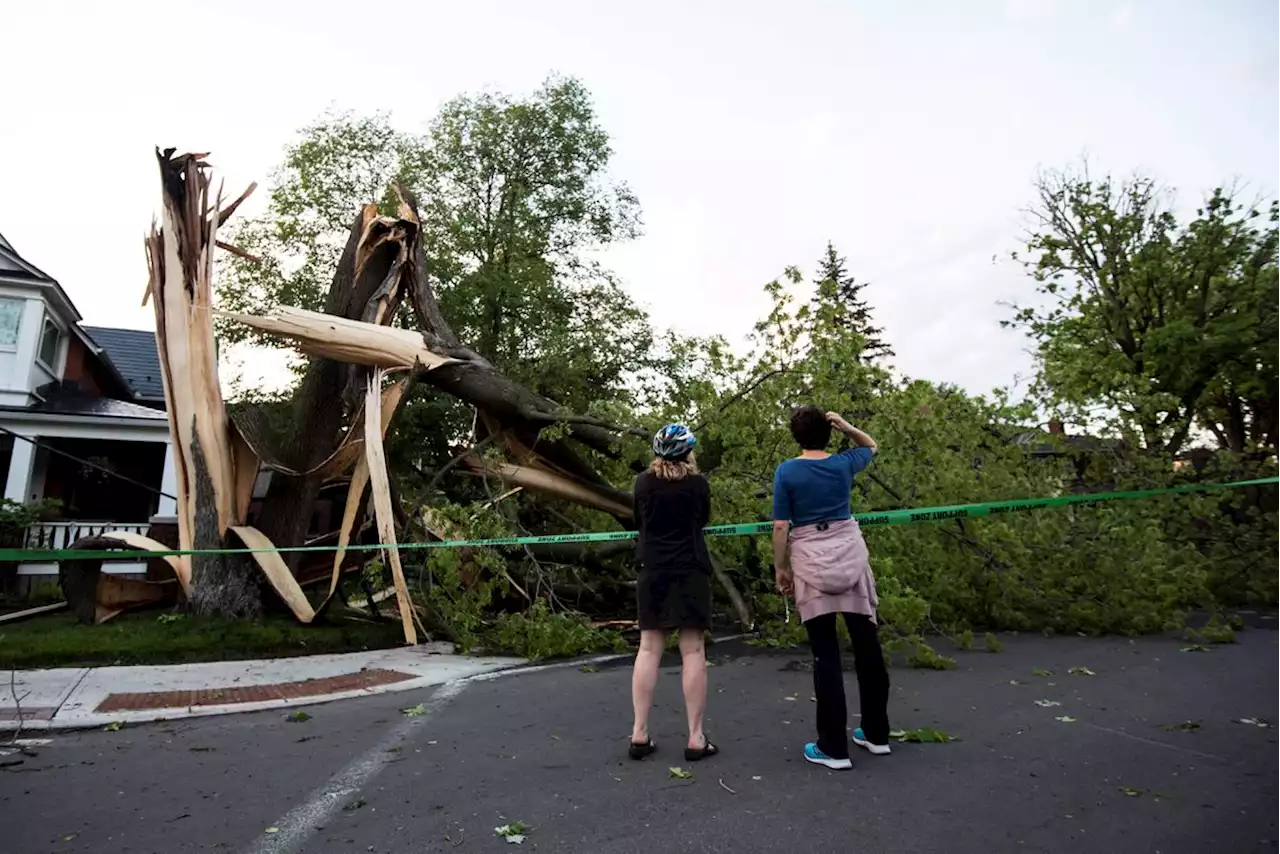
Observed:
{"x":693,"y":677}
{"x":644,"y":678}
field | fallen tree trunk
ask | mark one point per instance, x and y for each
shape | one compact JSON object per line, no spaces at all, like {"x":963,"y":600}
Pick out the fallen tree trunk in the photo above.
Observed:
{"x":475,"y":380}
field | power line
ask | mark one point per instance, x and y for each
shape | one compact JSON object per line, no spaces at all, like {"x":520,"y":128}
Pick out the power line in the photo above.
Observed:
{"x":84,"y":462}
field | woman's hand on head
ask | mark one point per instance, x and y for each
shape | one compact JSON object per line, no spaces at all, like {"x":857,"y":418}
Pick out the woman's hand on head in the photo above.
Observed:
{"x":837,"y":421}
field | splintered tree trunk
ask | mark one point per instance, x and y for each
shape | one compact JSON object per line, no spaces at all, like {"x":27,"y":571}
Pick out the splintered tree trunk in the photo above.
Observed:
{"x":180,"y":261}
{"x":367,"y":287}
{"x":317,"y":418}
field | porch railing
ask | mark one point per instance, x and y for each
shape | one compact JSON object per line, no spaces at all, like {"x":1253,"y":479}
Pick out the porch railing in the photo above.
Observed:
{"x":59,"y":535}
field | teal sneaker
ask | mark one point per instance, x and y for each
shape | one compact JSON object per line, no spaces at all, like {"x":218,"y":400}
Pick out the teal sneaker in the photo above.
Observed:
{"x":860,"y":739}
{"x":817,"y":757}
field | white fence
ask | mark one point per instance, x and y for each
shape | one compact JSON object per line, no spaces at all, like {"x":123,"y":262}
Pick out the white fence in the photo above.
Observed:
{"x":59,"y":535}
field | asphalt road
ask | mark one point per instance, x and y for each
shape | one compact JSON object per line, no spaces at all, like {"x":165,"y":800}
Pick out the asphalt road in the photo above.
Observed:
{"x":547,"y":748}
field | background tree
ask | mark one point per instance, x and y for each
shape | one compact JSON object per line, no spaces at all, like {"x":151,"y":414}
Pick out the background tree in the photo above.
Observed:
{"x":1110,"y":568}
{"x":515,"y":194}
{"x":1152,"y":325}
{"x":515,"y":197}
{"x":340,"y":162}
{"x":856,"y":313}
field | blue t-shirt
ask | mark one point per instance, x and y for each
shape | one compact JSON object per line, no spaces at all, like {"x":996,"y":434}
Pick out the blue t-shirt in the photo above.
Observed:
{"x":809,"y":491}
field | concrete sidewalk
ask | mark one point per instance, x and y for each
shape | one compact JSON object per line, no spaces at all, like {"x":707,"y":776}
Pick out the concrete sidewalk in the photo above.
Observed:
{"x":82,"y":697}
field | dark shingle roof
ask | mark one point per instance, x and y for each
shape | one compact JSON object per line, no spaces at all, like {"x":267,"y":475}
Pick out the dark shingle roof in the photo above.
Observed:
{"x":133,"y":352}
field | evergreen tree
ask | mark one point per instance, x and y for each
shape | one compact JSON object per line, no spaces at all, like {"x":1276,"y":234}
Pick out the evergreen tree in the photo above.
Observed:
{"x":856,"y":314}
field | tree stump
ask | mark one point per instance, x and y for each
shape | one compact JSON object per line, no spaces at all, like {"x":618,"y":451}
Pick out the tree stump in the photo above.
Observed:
{"x":95,"y":597}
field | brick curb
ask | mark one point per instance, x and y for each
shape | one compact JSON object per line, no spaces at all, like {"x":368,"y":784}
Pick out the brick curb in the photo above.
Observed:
{"x":355,"y":686}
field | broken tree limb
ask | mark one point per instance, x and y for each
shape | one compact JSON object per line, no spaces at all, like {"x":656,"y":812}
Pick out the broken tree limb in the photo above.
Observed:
{"x":138,"y":541}
{"x":540,"y":417}
{"x":383,"y":347}
{"x":390,"y":401}
{"x":731,"y":590}
{"x":352,"y":341}
{"x":524,"y":446}
{"x":551,"y":483}
{"x":379,"y":485}
{"x":39,"y":610}
{"x":277,"y":572}
{"x":582,"y":552}
{"x":225,"y":213}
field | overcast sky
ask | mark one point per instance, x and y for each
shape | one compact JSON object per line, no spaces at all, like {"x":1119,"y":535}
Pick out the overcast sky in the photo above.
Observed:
{"x":751,"y":131}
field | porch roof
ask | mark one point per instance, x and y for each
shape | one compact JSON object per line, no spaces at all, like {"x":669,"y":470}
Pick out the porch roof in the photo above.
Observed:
{"x":69,"y":399}
{"x":74,"y":414}
{"x":92,"y":407}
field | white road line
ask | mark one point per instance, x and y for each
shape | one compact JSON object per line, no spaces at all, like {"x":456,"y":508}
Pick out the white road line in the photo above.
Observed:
{"x":1154,"y":743}
{"x":297,"y":825}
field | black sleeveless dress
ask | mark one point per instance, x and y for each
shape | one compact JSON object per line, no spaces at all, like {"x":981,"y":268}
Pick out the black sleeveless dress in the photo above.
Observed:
{"x":673,"y":590}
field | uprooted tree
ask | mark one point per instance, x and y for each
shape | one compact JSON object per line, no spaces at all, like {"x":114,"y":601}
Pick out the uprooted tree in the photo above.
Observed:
{"x":349,"y":346}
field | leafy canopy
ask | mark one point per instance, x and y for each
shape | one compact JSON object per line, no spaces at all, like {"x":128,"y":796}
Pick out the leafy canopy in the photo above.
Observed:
{"x":1154,"y":325}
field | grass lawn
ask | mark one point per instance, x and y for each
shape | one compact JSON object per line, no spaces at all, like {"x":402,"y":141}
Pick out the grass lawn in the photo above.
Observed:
{"x":58,"y":640}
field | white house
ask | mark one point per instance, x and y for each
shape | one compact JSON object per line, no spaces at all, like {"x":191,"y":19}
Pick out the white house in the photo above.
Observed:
{"x":82,"y":413}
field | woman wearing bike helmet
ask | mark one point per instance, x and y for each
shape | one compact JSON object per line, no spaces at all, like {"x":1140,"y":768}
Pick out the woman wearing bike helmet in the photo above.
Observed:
{"x":672,"y":506}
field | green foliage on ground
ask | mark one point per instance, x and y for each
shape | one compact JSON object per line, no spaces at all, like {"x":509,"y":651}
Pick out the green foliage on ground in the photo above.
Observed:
{"x":542,"y":633}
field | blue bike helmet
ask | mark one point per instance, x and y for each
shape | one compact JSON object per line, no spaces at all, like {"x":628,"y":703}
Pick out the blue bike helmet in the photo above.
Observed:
{"x":673,"y":442}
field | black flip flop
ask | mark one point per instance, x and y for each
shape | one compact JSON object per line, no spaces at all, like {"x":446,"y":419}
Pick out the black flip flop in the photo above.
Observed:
{"x":640,"y":751}
{"x":692,"y":754}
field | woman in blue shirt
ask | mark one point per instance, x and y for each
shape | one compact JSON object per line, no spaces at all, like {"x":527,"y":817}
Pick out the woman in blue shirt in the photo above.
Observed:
{"x":820,"y":558}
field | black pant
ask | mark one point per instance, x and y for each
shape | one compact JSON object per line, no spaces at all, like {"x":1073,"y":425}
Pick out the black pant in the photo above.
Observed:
{"x":828,"y":682}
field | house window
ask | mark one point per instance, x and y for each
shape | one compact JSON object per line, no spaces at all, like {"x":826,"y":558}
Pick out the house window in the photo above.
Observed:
{"x":50,"y":335}
{"x":10,"y":321}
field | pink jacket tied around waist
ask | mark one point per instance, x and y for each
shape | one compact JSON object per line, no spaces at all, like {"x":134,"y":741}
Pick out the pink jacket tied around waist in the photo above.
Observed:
{"x":832,"y":570}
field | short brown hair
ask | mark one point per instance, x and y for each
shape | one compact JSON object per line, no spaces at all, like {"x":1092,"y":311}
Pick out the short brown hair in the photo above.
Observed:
{"x":810,"y":428}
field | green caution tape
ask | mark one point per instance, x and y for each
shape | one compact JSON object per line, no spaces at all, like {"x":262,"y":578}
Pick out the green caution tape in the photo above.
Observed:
{"x":873,"y":519}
